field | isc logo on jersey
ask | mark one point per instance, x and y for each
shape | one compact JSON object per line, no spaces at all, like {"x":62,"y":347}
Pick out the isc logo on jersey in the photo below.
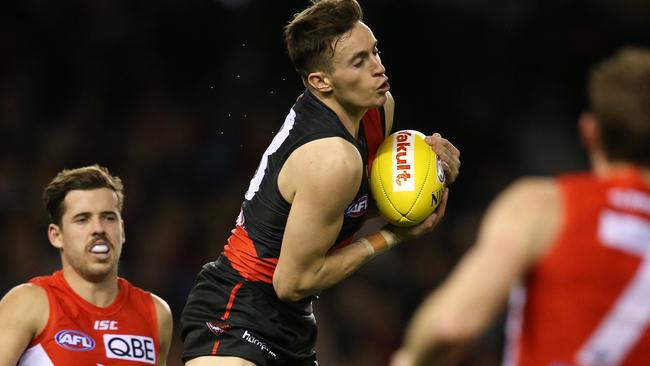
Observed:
{"x":74,"y":340}
{"x":130,"y":347}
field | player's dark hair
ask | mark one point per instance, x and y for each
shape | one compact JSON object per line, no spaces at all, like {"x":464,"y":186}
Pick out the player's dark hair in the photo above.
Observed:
{"x":312,"y":34}
{"x":84,"y":178}
{"x":619,"y":95}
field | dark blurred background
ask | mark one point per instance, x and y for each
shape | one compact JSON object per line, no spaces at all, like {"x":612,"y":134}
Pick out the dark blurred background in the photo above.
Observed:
{"x":180,"y":99}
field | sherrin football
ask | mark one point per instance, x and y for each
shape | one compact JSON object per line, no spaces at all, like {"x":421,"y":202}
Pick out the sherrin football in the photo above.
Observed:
{"x":406,"y":179}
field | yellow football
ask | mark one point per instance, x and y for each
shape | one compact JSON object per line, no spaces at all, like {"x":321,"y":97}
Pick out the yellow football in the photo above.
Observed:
{"x":406,"y":179}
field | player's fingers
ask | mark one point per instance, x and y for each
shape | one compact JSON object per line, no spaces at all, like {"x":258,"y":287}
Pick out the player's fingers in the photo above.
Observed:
{"x":452,"y":149}
{"x":444,"y":146}
{"x":433,"y":220}
{"x":440,"y":211}
{"x":448,"y":153}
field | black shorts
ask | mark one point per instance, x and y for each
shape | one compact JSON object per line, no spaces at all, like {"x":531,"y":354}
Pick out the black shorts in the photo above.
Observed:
{"x":226,"y":315}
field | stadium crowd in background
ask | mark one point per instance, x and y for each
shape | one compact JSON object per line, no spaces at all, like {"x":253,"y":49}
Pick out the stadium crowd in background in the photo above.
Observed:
{"x":162,"y":92}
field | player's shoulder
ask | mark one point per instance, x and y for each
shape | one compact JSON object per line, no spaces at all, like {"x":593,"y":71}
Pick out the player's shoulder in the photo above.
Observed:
{"x":533,"y":189}
{"x":527,"y":214}
{"x":144,"y":295}
{"x":164,"y":319}
{"x":26,"y":293}
{"x":528,"y":199}
{"x":30,"y":301}
{"x":331,"y":154}
{"x":325,"y":167}
{"x":161,"y":305}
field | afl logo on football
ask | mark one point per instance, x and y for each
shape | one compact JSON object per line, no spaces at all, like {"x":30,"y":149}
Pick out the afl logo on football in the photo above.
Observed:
{"x":440,"y":170}
{"x":74,"y":340}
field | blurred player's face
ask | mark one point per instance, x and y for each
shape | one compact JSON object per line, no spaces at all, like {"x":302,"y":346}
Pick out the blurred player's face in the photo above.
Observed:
{"x":91,"y":233}
{"x":358,"y":78}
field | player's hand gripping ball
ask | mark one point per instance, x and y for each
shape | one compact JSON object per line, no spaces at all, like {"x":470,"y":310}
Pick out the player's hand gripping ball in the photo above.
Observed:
{"x":407,"y":180}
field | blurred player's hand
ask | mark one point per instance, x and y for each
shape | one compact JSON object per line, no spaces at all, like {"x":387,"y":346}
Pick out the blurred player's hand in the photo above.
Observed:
{"x":449,"y":155}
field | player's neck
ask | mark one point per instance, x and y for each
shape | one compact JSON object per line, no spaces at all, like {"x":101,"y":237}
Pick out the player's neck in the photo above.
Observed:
{"x":100,"y":293}
{"x":612,"y":169}
{"x":349,"y":116}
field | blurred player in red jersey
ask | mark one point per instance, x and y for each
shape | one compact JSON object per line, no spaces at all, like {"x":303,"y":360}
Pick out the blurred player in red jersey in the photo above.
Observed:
{"x":574,"y":249}
{"x":84,"y":314}
{"x":295,"y":235}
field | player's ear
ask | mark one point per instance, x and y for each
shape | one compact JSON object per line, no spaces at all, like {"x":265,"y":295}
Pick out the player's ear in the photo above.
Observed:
{"x":319,"y":81}
{"x":589,"y":130}
{"x":55,"y":235}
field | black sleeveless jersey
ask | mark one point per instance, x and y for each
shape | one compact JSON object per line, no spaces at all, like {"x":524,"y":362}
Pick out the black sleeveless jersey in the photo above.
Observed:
{"x":253,"y":248}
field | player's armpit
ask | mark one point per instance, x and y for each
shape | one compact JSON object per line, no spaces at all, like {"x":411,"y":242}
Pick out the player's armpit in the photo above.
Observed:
{"x":325,"y":175}
{"x":24,"y":313}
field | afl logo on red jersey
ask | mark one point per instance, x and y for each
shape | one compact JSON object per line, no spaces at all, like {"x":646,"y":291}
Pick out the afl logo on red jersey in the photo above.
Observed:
{"x":358,"y":208}
{"x":74,"y":340}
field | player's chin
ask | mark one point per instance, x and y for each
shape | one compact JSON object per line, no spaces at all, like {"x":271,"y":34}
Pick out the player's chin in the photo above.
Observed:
{"x":378,"y":100}
{"x":97,"y":272}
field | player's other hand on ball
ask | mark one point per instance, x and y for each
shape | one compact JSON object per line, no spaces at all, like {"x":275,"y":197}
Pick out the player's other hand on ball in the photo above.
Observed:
{"x":449,"y":155}
{"x":425,"y":226}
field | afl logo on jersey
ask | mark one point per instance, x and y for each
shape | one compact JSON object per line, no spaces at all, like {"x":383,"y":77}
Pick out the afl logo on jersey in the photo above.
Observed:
{"x":74,"y":340}
{"x":357,"y":208}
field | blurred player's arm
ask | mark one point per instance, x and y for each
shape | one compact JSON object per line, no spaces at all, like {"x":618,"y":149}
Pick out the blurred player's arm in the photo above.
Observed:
{"x":165,"y":328}
{"x":516,"y":230}
{"x":24,"y":312}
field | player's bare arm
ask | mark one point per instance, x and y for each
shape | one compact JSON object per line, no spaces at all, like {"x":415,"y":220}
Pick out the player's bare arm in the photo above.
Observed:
{"x":517,"y":229}
{"x":319,"y":180}
{"x":165,"y":327}
{"x":24,"y":312}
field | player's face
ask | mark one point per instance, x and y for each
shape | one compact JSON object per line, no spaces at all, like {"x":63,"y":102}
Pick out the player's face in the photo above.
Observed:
{"x":358,"y":76}
{"x":91,"y":233}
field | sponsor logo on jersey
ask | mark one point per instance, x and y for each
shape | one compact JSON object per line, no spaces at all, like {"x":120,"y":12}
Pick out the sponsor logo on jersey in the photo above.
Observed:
{"x":261,"y":345}
{"x":403,"y":159}
{"x":74,"y":340}
{"x":105,"y":325}
{"x":130,"y":347}
{"x":217,"y":327}
{"x":358,"y":207}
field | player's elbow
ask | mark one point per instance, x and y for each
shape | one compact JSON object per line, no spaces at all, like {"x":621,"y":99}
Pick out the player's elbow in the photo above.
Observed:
{"x":287,"y":290}
{"x":289,"y":294}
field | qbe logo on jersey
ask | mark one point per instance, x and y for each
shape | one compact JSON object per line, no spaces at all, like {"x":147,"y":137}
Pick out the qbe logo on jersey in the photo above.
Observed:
{"x":130,"y":347}
{"x":403,"y":167}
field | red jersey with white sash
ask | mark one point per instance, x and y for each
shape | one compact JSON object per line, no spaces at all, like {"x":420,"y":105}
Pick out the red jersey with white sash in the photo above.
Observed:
{"x":588,"y":301}
{"x":80,"y":333}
